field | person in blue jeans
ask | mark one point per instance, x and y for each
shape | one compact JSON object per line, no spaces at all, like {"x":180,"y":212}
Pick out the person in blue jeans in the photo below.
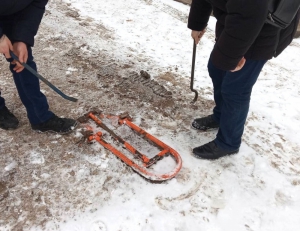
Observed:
{"x":244,"y":43}
{"x":19,"y":22}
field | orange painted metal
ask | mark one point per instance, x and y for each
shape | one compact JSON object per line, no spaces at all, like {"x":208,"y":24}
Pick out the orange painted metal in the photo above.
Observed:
{"x":146,"y":162}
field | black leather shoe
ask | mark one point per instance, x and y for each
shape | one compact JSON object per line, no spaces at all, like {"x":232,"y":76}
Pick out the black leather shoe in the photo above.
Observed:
{"x":211,"y":151}
{"x":7,"y":120}
{"x":56,"y":125}
{"x":205,"y":123}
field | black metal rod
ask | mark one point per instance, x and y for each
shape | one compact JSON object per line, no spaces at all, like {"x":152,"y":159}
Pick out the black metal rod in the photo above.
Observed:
{"x":193,"y":71}
{"x":43,"y":79}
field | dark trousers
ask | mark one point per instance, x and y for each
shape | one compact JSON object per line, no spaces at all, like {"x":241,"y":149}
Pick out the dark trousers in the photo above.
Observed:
{"x":28,"y":87}
{"x":232,"y":92}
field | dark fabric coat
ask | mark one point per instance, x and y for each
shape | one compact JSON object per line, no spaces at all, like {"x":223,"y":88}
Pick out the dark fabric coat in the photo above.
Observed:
{"x":240,"y":30}
{"x":20,"y":19}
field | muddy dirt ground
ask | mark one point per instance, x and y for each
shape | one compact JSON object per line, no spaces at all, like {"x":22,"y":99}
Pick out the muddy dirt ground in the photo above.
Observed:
{"x":38,"y":171}
{"x":46,"y":177}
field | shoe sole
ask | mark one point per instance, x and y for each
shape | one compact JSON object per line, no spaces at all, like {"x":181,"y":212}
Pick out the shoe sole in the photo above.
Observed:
{"x":9,"y":129}
{"x":61,"y":133}
{"x":203,"y":158}
{"x":205,"y":129}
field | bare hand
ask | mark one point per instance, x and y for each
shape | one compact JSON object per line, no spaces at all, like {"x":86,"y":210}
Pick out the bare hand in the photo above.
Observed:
{"x":20,"y":50}
{"x":5,"y":46}
{"x":197,"y":35}
{"x":240,"y":65}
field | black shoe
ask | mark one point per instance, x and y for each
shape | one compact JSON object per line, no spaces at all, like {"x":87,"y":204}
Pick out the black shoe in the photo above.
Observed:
{"x":205,"y":123}
{"x":211,"y":151}
{"x":56,"y":124}
{"x":7,"y":120}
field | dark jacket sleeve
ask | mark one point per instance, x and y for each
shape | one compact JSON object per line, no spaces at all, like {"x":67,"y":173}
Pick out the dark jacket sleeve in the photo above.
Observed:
{"x":199,"y":14}
{"x":28,"y":21}
{"x":243,"y":23}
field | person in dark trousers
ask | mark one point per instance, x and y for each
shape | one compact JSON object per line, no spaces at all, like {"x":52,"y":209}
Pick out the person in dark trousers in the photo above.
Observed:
{"x":19,"y":22}
{"x":244,"y":43}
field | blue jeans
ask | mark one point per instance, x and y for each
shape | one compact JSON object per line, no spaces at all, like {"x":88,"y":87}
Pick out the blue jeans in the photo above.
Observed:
{"x":28,"y":87}
{"x":232,"y":92}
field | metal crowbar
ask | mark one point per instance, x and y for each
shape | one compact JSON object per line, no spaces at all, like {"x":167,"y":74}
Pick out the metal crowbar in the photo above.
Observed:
{"x":192,"y":74}
{"x":43,"y":79}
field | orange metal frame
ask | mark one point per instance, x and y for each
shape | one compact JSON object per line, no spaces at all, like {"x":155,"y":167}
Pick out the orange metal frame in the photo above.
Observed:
{"x":147,"y":162}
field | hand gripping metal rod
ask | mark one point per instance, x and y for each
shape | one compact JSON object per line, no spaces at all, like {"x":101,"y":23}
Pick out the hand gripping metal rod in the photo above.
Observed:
{"x":43,"y":79}
{"x":193,"y":70}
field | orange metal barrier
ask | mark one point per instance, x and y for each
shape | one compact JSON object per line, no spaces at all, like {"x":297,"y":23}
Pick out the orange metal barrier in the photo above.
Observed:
{"x":146,"y":162}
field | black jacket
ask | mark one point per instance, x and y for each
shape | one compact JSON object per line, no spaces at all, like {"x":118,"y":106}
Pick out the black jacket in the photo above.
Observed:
{"x":240,"y":30}
{"x":20,"y":19}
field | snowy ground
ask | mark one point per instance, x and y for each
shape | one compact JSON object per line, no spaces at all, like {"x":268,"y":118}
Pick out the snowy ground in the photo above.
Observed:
{"x":91,"y":50}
